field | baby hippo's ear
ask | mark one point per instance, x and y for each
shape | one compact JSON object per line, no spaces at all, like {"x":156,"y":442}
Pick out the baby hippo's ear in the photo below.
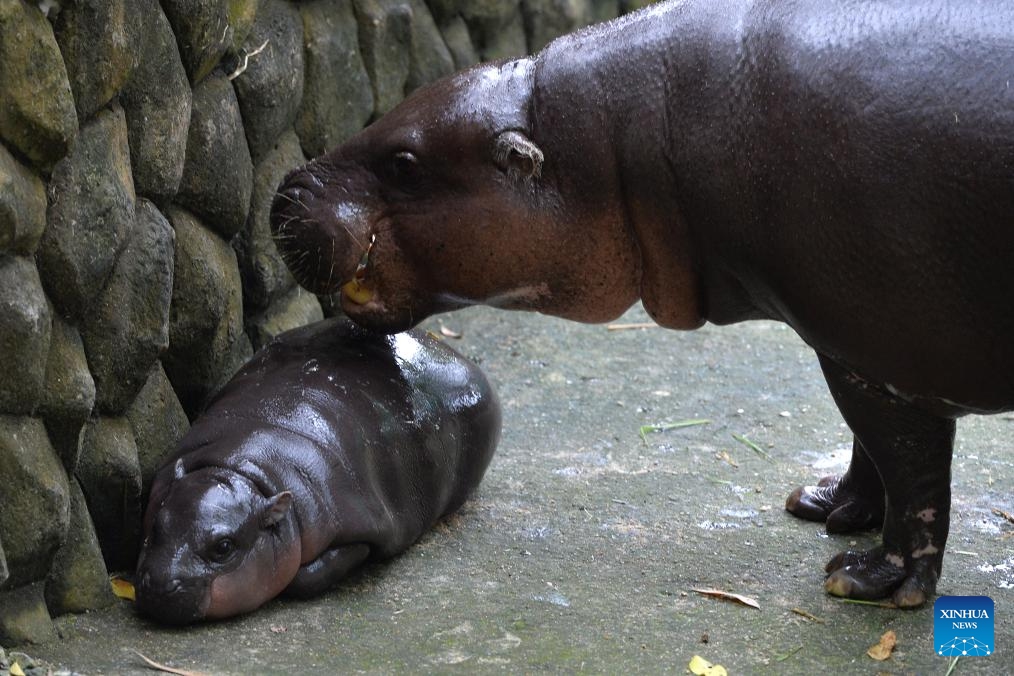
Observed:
{"x":275,"y":508}
{"x":517,"y":156}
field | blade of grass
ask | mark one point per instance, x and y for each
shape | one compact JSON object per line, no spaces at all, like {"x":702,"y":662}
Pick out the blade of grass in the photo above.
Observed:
{"x":752,"y":446}
{"x":782,"y":658}
{"x":663,"y":427}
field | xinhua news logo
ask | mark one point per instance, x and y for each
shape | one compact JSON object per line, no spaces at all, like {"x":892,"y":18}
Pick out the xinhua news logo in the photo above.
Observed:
{"x":963,"y":625}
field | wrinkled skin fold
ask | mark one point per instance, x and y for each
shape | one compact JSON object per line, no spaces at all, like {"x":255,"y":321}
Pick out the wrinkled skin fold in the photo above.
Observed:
{"x":846,"y":168}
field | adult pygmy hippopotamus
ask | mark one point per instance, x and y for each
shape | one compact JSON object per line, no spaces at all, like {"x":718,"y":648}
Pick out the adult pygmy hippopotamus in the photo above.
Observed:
{"x":330,"y":447}
{"x":844,"y":167}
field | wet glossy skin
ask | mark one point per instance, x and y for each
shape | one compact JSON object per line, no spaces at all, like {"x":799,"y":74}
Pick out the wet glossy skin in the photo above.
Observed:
{"x":330,"y":447}
{"x":846,"y":169}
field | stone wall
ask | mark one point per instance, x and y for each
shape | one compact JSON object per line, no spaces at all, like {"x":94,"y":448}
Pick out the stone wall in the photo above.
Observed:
{"x":140,"y":145}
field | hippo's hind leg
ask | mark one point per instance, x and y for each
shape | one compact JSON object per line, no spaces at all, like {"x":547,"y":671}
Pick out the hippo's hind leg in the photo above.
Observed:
{"x":322,"y":573}
{"x":911,"y":450}
{"x":849,"y":502}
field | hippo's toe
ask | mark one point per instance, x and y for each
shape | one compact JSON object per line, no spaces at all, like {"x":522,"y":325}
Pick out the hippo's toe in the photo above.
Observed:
{"x":874,"y":575}
{"x":843,"y":507}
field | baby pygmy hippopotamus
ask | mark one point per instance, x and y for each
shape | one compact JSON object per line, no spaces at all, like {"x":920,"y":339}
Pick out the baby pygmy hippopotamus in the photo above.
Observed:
{"x":331,"y":447}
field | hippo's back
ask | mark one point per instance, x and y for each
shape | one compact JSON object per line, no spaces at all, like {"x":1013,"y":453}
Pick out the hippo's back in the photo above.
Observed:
{"x":376,"y":436}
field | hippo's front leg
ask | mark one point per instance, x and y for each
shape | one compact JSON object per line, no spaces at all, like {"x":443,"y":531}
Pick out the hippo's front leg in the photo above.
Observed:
{"x":322,"y":573}
{"x":849,"y":502}
{"x":911,"y":450}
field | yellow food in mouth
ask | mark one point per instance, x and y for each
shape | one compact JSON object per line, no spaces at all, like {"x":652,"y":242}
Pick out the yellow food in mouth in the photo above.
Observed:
{"x":359,"y":292}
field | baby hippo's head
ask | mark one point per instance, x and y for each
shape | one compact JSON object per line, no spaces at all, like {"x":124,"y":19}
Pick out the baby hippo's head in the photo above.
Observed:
{"x":214,"y":546}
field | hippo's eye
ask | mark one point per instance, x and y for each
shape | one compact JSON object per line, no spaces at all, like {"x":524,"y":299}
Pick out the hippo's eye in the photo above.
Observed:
{"x":222,"y":549}
{"x":405,"y":167}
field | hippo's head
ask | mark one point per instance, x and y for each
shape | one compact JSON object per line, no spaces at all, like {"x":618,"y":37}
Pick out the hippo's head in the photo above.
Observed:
{"x":214,"y":547}
{"x":461,"y":195}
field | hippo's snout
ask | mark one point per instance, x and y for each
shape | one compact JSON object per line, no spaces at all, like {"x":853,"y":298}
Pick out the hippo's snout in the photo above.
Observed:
{"x":321,"y":231}
{"x":171,"y":600}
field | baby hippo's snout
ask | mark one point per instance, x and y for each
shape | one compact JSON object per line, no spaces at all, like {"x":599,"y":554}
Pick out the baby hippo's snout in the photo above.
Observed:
{"x":170,"y":599}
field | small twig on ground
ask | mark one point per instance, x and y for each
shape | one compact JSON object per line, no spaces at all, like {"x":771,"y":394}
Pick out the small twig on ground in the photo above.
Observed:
{"x":809,"y":616}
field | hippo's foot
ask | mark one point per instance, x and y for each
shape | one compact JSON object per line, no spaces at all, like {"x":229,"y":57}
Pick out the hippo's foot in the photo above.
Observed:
{"x":319,"y":575}
{"x":873,"y":574}
{"x":839,"y":503}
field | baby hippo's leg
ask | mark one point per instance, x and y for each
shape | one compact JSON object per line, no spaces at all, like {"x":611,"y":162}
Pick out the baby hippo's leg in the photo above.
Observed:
{"x":323,"y":572}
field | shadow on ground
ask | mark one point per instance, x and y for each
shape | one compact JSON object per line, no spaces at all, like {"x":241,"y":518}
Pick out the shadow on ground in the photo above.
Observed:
{"x":581,"y":548}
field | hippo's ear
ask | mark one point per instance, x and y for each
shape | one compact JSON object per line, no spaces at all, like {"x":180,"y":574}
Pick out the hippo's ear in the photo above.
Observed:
{"x":275,"y":508}
{"x":517,"y":156}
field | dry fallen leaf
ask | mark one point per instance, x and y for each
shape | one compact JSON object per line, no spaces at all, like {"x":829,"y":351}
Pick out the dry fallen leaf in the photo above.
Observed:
{"x":16,"y":670}
{"x":882,"y":650}
{"x":729,"y":596}
{"x":701,"y":667}
{"x":169,"y":670}
{"x":725,"y":457}
{"x":122,"y":588}
{"x":1003,"y":515}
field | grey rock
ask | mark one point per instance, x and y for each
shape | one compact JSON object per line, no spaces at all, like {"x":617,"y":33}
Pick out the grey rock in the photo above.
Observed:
{"x":337,"y":96}
{"x":22,"y":206}
{"x":37,"y":116}
{"x":110,"y":478}
{"x":218,"y":173}
{"x":206,"y":339}
{"x":430,"y":58}
{"x":627,"y":6}
{"x":69,"y":394}
{"x":546,"y":20}
{"x":296,"y":308}
{"x":444,"y":10}
{"x":499,"y":37}
{"x":271,"y":87}
{"x":129,"y":326}
{"x":496,"y":26}
{"x":78,"y":580}
{"x":23,"y":616}
{"x":91,"y":211}
{"x":385,"y":38}
{"x":25,"y":326}
{"x":265,"y":275}
{"x":35,"y":502}
{"x":99,"y":42}
{"x":205,"y":29}
{"x":157,"y":102}
{"x":158,"y":421}
{"x":604,"y":10}
{"x":459,"y":42}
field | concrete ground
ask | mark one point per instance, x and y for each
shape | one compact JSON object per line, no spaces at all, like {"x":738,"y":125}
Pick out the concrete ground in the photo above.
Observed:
{"x":581,"y":549}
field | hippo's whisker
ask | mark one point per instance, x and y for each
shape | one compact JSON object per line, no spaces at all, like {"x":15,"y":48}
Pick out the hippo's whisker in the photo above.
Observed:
{"x":292,"y":200}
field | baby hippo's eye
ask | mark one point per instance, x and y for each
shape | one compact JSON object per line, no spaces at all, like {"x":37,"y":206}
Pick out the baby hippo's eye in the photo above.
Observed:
{"x":222,"y":550}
